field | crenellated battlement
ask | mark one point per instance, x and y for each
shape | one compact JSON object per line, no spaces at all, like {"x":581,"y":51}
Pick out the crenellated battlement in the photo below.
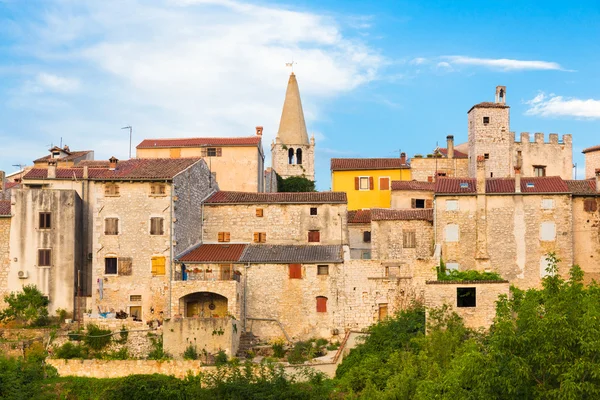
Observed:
{"x":538,"y":138}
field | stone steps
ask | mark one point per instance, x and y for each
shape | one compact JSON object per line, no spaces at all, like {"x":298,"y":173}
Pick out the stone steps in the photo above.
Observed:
{"x":247,"y":341}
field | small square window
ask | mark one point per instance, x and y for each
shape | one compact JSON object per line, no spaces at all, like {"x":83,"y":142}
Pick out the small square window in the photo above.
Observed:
{"x":322,"y":269}
{"x":111,"y":226}
{"x":367,"y":236}
{"x":110,"y":266}
{"x":260,"y":237}
{"x":451,"y":205}
{"x":419,"y":203}
{"x":44,"y":258}
{"x":211,"y":151}
{"x":135,"y":297}
{"x":486,"y":156}
{"x":158,"y":189}
{"x":224,"y":237}
{"x":464,"y":185}
{"x":451,"y":233}
{"x":539,"y":170}
{"x":384,"y":183}
{"x":259,"y":212}
{"x":157,"y":226}
{"x":364,"y":183}
{"x":530,"y":185}
{"x":547,"y":204}
{"x":466,"y":297}
{"x":111,"y":189}
{"x":313,"y":211}
{"x":45,"y":220}
{"x":314,"y":236}
{"x":409,"y":239}
{"x":486,"y":120}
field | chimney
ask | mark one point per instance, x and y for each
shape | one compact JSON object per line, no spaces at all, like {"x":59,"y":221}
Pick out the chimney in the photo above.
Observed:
{"x":85,"y":172}
{"x":450,"y":146}
{"x":52,"y":168}
{"x":113,"y":163}
{"x":403,"y":158}
{"x":480,"y":174}
{"x":517,"y":179}
{"x":259,"y":130}
{"x":597,"y":180}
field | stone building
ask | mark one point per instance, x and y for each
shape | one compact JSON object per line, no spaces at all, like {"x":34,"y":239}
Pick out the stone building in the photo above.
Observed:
{"x":412,"y":194}
{"x":292,"y":154}
{"x":5,"y":217}
{"x":63,"y":157}
{"x":275,"y":218}
{"x":592,"y":161}
{"x":236,"y":163}
{"x":450,"y":161}
{"x":359,"y":234}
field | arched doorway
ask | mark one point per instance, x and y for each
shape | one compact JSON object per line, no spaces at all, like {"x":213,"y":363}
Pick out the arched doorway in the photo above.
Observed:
{"x":204,"y":305}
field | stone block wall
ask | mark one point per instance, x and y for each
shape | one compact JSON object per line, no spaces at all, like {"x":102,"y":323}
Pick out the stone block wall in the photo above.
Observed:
{"x":232,"y":290}
{"x":556,"y":156}
{"x":482,"y":315}
{"x":388,"y":244}
{"x":4,"y":257}
{"x":117,"y":369}
{"x":282,"y":223}
{"x":463,"y":250}
{"x":586,"y":237}
{"x":280,"y":160}
{"x":493,"y":138}
{"x":403,"y":198}
{"x":205,"y":334}
{"x":356,"y":240}
{"x":422,"y":168}
{"x":592,"y":162}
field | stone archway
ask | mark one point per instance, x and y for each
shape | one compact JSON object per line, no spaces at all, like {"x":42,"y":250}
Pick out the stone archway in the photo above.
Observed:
{"x":204,"y":305}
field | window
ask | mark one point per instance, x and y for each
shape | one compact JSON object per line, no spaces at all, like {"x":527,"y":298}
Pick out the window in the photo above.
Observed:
{"x":295,"y":271}
{"x":313,"y":211}
{"x":547,"y":204}
{"x":451,"y":233}
{"x":486,"y":156}
{"x":363,"y":183}
{"x":211,"y":152}
{"x":157,"y":226}
{"x":291,"y":156}
{"x":260,"y":237}
{"x":110,"y":266}
{"x":299,"y":156}
{"x":384,"y":183}
{"x":125,"y":266}
{"x":409,"y":239}
{"x":224,"y":237}
{"x":590,"y":205}
{"x":441,"y":174}
{"x":158,"y":265}
{"x":259,"y":212}
{"x":464,"y":185}
{"x":45,"y":220}
{"x":136,"y":312}
{"x":382,"y":312}
{"x":367,"y":236}
{"x":135,"y":297}
{"x":451,"y":205}
{"x":486,"y":120}
{"x":539,"y":170}
{"x":225,"y":270}
{"x":111,"y":226}
{"x":44,"y":258}
{"x":365,"y":255}
{"x":322,"y":269}
{"x":158,"y":189}
{"x":175,"y":153}
{"x":548,"y":231}
{"x":111,"y":189}
{"x":321,"y":304}
{"x":466,"y":297}
{"x":451,"y":266}
{"x":314,"y":236}
{"x":417,"y":203}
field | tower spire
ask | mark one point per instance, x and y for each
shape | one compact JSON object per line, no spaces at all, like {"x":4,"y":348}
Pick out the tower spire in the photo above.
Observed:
{"x":292,"y":128}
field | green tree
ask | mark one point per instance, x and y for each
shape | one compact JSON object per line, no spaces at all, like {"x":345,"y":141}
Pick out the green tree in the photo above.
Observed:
{"x":29,"y":307}
{"x":295,"y":184}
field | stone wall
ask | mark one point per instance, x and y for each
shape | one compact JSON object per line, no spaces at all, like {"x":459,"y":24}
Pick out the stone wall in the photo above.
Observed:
{"x":117,"y":369}
{"x":556,"y":156}
{"x":493,"y":138}
{"x":4,"y":257}
{"x":282,"y":223}
{"x":209,"y":335}
{"x":230,"y":289}
{"x":388,"y":244}
{"x":482,"y":315}
{"x":280,"y":160}
{"x":586,"y":238}
{"x":403,"y":198}
{"x":592,"y":162}
{"x":356,"y":240}
{"x":422,"y":169}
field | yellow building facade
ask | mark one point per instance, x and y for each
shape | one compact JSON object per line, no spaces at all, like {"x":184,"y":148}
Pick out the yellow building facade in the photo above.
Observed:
{"x":367,"y":182}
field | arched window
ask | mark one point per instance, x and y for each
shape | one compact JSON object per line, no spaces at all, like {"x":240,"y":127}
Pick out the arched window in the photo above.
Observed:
{"x":321,"y":304}
{"x":299,"y":156}
{"x":290,"y":156}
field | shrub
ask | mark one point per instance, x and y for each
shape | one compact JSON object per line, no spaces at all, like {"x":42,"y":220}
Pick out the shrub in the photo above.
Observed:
{"x":278,"y":351}
{"x":29,"y":307}
{"x":124,"y":334}
{"x":76,"y":335}
{"x":221,"y":358}
{"x":121,"y":354}
{"x":157,"y":352}
{"x":97,"y":338}
{"x":70,"y":350}
{"x":190,"y":353}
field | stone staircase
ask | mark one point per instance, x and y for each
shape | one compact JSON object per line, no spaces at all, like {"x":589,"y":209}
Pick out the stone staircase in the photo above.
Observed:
{"x":247,"y":341}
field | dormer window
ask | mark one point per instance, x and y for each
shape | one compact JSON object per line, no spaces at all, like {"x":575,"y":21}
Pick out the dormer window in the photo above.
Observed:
{"x":530,"y":184}
{"x":464,"y":185}
{"x":56,"y":154}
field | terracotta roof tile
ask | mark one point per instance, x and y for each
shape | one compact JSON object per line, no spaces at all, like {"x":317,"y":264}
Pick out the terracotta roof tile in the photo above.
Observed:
{"x":4,"y":207}
{"x":214,"y":253}
{"x":340,"y":164}
{"x":488,"y":104}
{"x":10,"y":185}
{"x":456,"y":185}
{"x":590,"y":149}
{"x":224,"y":197}
{"x":277,"y":254}
{"x":135,"y":169}
{"x":582,"y":187}
{"x":413,"y":185}
{"x":391,"y":214}
{"x":546,"y":184}
{"x":94,"y":163}
{"x":457,"y":153}
{"x":72,"y":156}
{"x":359,"y":217}
{"x":199,"y":142}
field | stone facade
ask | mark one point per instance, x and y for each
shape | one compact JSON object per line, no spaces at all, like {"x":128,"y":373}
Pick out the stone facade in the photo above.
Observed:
{"x":425,"y":169}
{"x":486,"y":294}
{"x":359,"y":247}
{"x":586,"y":236}
{"x":116,"y":369}
{"x":404,"y":198}
{"x":4,"y":256}
{"x":389,"y":240}
{"x":556,"y":157}
{"x":209,"y":335}
{"x":492,"y":138}
{"x":592,"y":161}
{"x":282,"y":223}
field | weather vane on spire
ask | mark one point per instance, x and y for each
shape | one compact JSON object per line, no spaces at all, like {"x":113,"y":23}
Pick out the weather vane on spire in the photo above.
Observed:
{"x":291,"y":64}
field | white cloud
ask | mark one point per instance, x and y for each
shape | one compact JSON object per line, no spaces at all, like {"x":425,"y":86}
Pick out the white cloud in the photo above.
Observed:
{"x":504,"y":64}
{"x":180,"y":68}
{"x":558,"y":106}
{"x":443,"y":65}
{"x":418,"y":61}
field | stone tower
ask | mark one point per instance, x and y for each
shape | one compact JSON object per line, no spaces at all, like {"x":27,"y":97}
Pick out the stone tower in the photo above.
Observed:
{"x":490,"y":137}
{"x":292,"y":154}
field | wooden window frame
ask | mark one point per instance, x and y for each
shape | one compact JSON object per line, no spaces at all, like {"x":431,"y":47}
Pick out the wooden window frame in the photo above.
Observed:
{"x":111,"y":190}
{"x":158,"y":270}
{"x":314,"y":236}
{"x":321,"y":304}
{"x":44,"y":258}
{"x":111,"y":232}
{"x":45,"y":220}
{"x":158,"y":189}
{"x":295,"y":271}
{"x":409,"y":239}
{"x":590,"y":205}
{"x":161,"y":226}
{"x":135,"y":298}
{"x":368,"y":180}
{"x":260,"y":237}
{"x":225,"y":272}
{"x":260,"y":212}
{"x":116,"y":266}
{"x":366,"y":236}
{"x":389,"y":181}
{"x":223,"y":237}
{"x":537,"y":168}
{"x":321,"y":268}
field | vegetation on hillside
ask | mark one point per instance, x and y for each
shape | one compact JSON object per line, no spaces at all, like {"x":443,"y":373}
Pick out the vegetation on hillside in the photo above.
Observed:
{"x":28,"y":307}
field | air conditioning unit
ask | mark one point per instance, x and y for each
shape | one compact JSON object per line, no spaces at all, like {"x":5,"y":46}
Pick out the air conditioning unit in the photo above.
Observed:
{"x":23,"y":274}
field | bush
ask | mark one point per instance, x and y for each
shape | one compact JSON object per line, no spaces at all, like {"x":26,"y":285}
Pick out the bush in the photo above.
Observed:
{"x":278,"y":351}
{"x":69,"y":351}
{"x":470,"y":275}
{"x":121,"y":354}
{"x":295,"y":184}
{"x":97,"y":338}
{"x":157,"y":352}
{"x":124,"y":335}
{"x":221,"y":358}
{"x":29,"y":307}
{"x":76,"y":335}
{"x":190,"y":353}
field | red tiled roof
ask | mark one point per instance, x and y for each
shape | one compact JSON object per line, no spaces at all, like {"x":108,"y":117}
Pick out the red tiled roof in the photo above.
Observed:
{"x":225,"y":197}
{"x":391,"y":214}
{"x":582,"y":187}
{"x":135,"y":169}
{"x":453,"y":185}
{"x":72,"y":156}
{"x":340,"y":164}
{"x":488,"y":104}
{"x":457,"y":154}
{"x":413,"y":185}
{"x":200,"y":142}
{"x":10,"y":185}
{"x":359,"y":217}
{"x":214,"y":253}
{"x":4,"y":207}
{"x":94,"y":163}
{"x":590,"y":149}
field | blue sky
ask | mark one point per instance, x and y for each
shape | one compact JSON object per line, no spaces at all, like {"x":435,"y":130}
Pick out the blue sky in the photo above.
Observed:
{"x":375,"y":77}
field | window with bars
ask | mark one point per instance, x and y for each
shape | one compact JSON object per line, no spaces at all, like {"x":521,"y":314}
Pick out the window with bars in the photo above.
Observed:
{"x":314,"y":236}
{"x":111,"y":226}
{"x":111,"y":189}
{"x":157,"y":226}
{"x":322,"y":269}
{"x":45,"y":220}
{"x":321,"y":304}
{"x":260,"y":237}
{"x":295,"y":271}
{"x":135,"y":297}
{"x":44,"y":258}
{"x":409,"y":239}
{"x":158,"y":189}
{"x":224,"y":237}
{"x":212,"y":152}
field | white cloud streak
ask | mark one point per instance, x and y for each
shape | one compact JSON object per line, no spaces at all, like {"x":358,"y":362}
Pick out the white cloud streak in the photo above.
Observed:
{"x":504,"y":64}
{"x":558,"y":106}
